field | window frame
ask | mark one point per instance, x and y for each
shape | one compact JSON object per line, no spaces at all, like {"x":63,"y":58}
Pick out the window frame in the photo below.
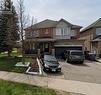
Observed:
{"x":99,"y":30}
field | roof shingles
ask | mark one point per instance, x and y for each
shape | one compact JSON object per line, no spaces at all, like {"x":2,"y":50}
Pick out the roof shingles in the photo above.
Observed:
{"x":95,"y":24}
{"x":50,"y":23}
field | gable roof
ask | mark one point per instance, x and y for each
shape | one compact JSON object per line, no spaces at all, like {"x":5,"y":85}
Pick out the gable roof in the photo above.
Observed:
{"x":50,"y":23}
{"x":65,"y":22}
{"x":98,"y":38}
{"x":95,"y":24}
{"x":46,"y":23}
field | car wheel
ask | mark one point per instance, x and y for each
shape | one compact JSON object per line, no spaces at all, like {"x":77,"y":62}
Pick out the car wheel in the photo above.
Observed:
{"x":44,"y":69}
{"x":67,"y":60}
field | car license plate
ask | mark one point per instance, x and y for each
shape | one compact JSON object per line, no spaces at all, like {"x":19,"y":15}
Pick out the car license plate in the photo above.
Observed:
{"x":53,"y":70}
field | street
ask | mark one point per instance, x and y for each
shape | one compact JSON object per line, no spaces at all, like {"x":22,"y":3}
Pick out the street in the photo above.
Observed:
{"x":87,"y":72}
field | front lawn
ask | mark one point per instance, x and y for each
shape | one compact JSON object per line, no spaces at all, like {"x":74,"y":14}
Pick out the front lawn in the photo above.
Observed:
{"x":11,"y":88}
{"x":12,"y":54}
{"x":8,"y":63}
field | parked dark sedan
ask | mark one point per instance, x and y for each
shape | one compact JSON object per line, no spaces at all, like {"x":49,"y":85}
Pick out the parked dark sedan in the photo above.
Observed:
{"x":50,"y":63}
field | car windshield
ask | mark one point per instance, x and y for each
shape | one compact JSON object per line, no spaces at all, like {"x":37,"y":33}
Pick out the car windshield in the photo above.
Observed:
{"x":50,"y":58}
{"x":76,"y":53}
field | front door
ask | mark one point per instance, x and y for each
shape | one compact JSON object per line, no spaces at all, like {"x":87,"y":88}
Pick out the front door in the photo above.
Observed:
{"x":46,"y":47}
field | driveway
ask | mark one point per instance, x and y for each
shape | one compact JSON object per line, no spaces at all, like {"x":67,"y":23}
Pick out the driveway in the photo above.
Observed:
{"x":87,"y":72}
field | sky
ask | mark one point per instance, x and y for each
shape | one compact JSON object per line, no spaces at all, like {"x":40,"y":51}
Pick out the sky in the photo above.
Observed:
{"x":79,"y":12}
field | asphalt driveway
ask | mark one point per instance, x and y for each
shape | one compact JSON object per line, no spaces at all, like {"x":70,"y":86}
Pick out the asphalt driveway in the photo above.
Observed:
{"x":87,"y":72}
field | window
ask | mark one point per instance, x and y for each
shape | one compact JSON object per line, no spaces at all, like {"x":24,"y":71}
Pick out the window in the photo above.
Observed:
{"x":28,"y":33}
{"x":72,"y":32}
{"x":64,"y":31}
{"x":58,"y":31}
{"x":76,"y":53}
{"x":46,"y":32}
{"x":98,"y":31}
{"x":33,"y":46}
{"x":61,"y":31}
{"x":35,"y":33}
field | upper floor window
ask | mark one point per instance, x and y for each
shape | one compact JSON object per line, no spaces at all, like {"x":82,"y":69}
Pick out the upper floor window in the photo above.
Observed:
{"x":98,"y":31}
{"x":32,"y":33}
{"x":46,"y":32}
{"x":73,"y":33}
{"x":58,"y":31}
{"x":62,"y":31}
{"x":28,"y":33}
{"x":36,"y":33}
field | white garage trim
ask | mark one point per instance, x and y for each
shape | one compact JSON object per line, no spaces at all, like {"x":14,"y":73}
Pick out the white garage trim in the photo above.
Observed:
{"x":67,"y":45}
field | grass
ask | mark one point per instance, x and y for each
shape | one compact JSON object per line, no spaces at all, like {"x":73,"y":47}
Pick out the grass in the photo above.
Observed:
{"x":8,"y":63}
{"x":12,"y":88}
{"x":3,"y":54}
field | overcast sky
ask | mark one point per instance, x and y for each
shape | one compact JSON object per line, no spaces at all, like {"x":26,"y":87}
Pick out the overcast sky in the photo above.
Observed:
{"x":80,"y":12}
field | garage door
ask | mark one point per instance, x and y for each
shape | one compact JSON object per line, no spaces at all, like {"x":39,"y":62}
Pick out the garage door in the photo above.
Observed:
{"x":60,"y":49}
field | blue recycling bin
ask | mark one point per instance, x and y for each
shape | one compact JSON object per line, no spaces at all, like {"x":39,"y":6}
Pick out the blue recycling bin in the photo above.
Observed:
{"x":92,"y":56}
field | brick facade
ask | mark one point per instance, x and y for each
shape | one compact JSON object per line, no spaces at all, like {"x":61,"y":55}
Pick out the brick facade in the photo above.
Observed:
{"x":88,"y":36}
{"x":43,"y":35}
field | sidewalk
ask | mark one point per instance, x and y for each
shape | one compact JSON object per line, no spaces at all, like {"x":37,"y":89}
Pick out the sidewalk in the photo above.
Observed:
{"x":60,"y":84}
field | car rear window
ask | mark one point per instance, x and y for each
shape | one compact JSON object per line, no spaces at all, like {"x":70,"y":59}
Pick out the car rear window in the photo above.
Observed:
{"x":49,"y":58}
{"x":76,"y":53}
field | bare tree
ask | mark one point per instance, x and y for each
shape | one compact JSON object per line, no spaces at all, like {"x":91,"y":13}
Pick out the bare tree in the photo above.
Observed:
{"x":23,"y":21}
{"x":33,"y":20}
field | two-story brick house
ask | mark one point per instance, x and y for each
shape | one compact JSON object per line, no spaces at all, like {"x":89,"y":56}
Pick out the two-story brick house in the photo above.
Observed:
{"x":92,"y":37}
{"x":50,"y":34}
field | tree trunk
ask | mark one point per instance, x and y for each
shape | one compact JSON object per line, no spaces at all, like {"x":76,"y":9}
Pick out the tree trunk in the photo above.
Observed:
{"x":9,"y":53}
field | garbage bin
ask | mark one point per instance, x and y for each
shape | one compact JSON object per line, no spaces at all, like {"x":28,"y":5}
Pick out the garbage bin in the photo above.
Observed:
{"x":92,"y":56}
{"x":86,"y":55}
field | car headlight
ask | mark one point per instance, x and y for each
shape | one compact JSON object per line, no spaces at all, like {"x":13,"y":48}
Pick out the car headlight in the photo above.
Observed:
{"x":70,"y":57}
{"x":59,"y":66}
{"x":46,"y":65}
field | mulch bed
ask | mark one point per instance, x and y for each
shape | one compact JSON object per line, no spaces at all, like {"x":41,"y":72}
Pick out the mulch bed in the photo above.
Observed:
{"x":34,"y":66}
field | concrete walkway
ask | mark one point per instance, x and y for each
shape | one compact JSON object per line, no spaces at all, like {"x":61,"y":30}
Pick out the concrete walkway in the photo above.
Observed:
{"x":60,"y":84}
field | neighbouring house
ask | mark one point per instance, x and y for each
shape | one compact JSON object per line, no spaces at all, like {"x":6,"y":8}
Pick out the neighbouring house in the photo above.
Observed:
{"x":92,"y":37}
{"x":51,"y":35}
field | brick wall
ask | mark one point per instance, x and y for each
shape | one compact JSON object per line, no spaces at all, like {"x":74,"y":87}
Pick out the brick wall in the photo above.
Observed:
{"x":88,"y":36}
{"x":77,"y":32}
{"x":46,"y":33}
{"x":42,"y":33}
